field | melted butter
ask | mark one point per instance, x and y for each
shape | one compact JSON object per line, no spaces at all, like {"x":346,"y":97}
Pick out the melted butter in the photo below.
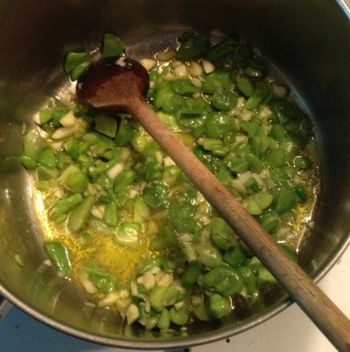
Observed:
{"x":102,"y":249}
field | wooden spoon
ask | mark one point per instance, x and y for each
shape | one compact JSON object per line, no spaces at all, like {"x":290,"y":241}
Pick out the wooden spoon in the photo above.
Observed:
{"x":111,"y":86}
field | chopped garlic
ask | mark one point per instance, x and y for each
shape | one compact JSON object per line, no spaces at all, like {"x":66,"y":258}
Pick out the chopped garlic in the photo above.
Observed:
{"x":196,"y":82}
{"x":115,"y":170}
{"x":166,"y":55}
{"x":68,"y":120}
{"x":166,"y":280}
{"x":110,"y":299}
{"x":195,"y":69}
{"x":87,"y":284}
{"x":279,"y":91}
{"x":98,"y":211}
{"x":148,"y":280}
{"x":168,"y":161}
{"x":132,"y":313}
{"x":63,"y":132}
{"x":180,"y":71}
{"x":208,"y":67}
{"x":148,"y":64}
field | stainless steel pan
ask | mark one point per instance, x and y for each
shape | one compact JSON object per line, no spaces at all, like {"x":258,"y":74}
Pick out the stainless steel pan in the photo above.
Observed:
{"x":308,"y":43}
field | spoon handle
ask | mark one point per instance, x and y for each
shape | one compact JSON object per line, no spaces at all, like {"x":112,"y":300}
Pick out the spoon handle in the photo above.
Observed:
{"x":317,"y":305}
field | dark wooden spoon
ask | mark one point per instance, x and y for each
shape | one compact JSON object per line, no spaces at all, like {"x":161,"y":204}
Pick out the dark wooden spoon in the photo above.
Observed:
{"x":111,"y":86}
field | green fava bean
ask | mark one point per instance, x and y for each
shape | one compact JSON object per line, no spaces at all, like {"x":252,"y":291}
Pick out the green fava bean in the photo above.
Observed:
{"x":224,"y":101}
{"x":128,"y":234}
{"x":218,"y":124}
{"x":156,"y":194}
{"x":192,"y":46}
{"x":224,"y":279}
{"x":235,"y":256}
{"x":191,"y":274}
{"x":285,"y":200}
{"x":217,"y":81}
{"x":179,"y":316}
{"x":112,"y":46}
{"x":122,"y":181}
{"x":81,"y":214}
{"x":58,"y":253}
{"x":218,"y":306}
{"x":245,"y":86}
{"x":222,"y":235}
{"x":184,"y":87}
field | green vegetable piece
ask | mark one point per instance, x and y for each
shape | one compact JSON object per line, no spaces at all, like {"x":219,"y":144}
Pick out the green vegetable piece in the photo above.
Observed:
{"x":199,"y":309}
{"x":58,"y":253}
{"x":128,"y":234}
{"x":172,"y":103}
{"x":63,"y":206}
{"x":208,"y":255}
{"x":285,"y":200}
{"x":237,"y":165}
{"x":245,"y":86}
{"x":218,"y":306}
{"x":269,"y":221}
{"x":45,"y":116}
{"x":102,"y":279}
{"x":170,"y":175}
{"x":301,"y":162}
{"x":28,"y":163}
{"x":217,"y":125}
{"x":254,"y":101}
{"x":123,"y":181}
{"x":164,"y":320}
{"x":45,"y":173}
{"x":220,"y":50}
{"x":47,"y":158}
{"x":81,"y":214}
{"x":112,"y":46}
{"x":249,"y":279}
{"x":217,"y":81}
{"x":262,"y":199}
{"x":74,"y":179}
{"x":224,"y":101}
{"x":192,"y":46}
{"x":301,"y":193}
{"x":290,"y":149}
{"x":57,"y":113}
{"x":111,"y":214}
{"x":278,"y":132}
{"x":179,"y":316}
{"x":33,"y":143}
{"x":125,"y":132}
{"x":181,"y":216}
{"x":235,"y":256}
{"x":106,"y":124}
{"x":251,"y":127}
{"x":191,"y":274}
{"x":276,"y":158}
{"x":224,"y":279}
{"x":141,"y":210}
{"x":284,"y":110}
{"x":194,"y":106}
{"x":161,"y":297}
{"x":74,"y":59}
{"x":79,"y":70}
{"x":222,"y":235}
{"x":215,"y":146}
{"x":265,"y":276}
{"x":156,"y":194}
{"x":169,"y":120}
{"x":184,"y":87}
